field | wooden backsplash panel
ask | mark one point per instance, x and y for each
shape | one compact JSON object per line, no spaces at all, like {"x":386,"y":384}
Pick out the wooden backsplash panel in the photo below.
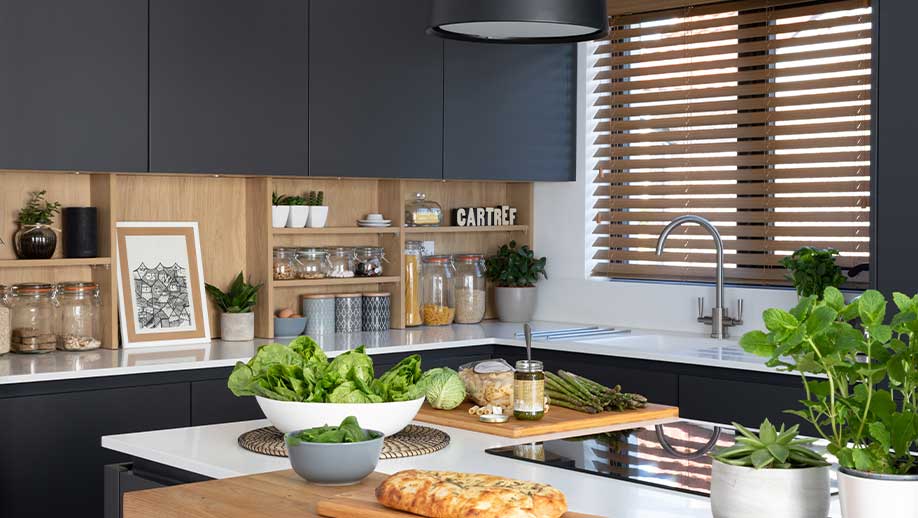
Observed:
{"x":453,"y":195}
{"x":348,"y":200}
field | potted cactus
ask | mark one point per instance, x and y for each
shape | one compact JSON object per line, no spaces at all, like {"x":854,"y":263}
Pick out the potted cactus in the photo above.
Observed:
{"x":299,"y":211}
{"x":237,"y":320}
{"x":318,"y":211}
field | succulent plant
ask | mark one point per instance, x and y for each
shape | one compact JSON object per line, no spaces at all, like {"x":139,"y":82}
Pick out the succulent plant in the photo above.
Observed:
{"x":771,"y":448}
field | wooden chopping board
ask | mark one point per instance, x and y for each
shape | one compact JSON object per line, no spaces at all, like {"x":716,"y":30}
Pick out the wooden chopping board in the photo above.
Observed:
{"x":558,"y":419}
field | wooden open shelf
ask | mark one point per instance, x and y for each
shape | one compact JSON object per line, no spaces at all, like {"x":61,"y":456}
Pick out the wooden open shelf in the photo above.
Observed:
{"x":335,"y":230}
{"x":332,"y":281}
{"x":465,"y":230}
{"x":50,"y":263}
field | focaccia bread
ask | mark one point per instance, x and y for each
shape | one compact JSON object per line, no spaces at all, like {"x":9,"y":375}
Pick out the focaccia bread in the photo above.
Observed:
{"x":447,"y":494}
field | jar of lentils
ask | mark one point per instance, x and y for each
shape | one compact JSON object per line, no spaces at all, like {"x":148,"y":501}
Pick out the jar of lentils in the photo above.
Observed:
{"x":33,"y":318}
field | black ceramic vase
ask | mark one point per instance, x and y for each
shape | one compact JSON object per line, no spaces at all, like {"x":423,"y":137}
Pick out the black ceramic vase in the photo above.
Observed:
{"x":35,"y":242}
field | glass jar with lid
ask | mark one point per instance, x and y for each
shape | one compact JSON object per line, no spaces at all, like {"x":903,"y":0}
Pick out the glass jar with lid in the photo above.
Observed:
{"x":369,"y":261}
{"x":438,"y":290}
{"x":340,"y":262}
{"x":312,"y":263}
{"x":413,"y":252}
{"x":529,"y":390}
{"x":421,"y":212}
{"x":471,"y":290}
{"x":80,"y":316}
{"x":4,"y":321}
{"x":285,"y":264}
{"x":33,"y":318}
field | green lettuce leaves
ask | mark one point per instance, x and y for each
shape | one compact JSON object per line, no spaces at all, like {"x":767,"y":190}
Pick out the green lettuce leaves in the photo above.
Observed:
{"x":348,"y":431}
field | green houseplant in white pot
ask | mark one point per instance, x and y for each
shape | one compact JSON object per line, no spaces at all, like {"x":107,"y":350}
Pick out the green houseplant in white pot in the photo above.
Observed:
{"x":747,"y":477}
{"x":857,"y":354}
{"x":237,"y":320}
{"x":515,"y":271}
{"x":279,"y":211}
{"x":299,"y":212}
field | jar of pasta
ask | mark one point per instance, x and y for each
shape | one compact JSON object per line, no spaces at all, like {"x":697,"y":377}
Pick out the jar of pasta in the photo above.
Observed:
{"x":413,"y":253}
{"x":438,"y":290}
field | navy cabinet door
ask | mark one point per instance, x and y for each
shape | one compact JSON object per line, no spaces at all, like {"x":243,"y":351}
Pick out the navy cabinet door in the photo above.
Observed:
{"x":73,"y":85}
{"x":228,"y":82}
{"x":510,"y":112}
{"x":375,"y":91}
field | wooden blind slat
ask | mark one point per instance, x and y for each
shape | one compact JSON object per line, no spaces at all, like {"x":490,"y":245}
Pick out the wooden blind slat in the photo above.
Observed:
{"x":738,"y":175}
{"x":746,"y":146}
{"x":741,"y":217}
{"x":745,"y":132}
{"x":749,"y":188}
{"x":620,"y":229}
{"x":735,"y":203}
{"x":674,"y":244}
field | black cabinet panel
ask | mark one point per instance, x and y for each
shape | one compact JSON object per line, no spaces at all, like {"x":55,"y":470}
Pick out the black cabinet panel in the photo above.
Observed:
{"x":73,"y":85}
{"x":375,"y":91}
{"x":747,"y":403}
{"x":52,"y":460}
{"x":510,"y":111}
{"x":212,"y":403}
{"x":228,"y":82}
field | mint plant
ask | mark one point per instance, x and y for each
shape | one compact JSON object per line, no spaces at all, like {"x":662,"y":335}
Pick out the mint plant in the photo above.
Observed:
{"x":812,"y":270}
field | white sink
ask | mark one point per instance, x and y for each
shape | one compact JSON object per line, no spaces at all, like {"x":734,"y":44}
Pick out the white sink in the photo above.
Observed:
{"x":688,"y":345}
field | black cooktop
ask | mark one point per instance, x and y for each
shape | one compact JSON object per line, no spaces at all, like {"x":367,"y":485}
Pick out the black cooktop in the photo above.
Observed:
{"x":672,"y":456}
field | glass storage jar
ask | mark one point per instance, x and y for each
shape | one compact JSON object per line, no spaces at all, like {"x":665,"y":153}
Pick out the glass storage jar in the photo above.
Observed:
{"x":81,"y":316}
{"x":421,"y":212}
{"x":4,"y":321}
{"x":471,"y":290}
{"x":340,"y":262}
{"x":529,"y":390}
{"x":312,"y":263}
{"x":413,"y":253}
{"x":369,"y":261}
{"x":33,"y":318}
{"x":438,"y":290}
{"x":285,"y":264}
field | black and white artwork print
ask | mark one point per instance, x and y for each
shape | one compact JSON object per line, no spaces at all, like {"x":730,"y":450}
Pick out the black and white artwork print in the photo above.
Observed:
{"x":162,"y":297}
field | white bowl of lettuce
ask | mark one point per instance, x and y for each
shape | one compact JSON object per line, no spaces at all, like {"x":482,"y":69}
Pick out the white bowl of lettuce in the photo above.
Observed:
{"x":298,"y":388}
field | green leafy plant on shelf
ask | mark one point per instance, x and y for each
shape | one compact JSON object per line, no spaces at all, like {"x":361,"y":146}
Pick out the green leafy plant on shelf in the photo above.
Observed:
{"x":771,"y":448}
{"x":278,"y":199}
{"x":38,"y":210}
{"x":868,"y":428}
{"x":315,"y":198}
{"x":515,"y":267}
{"x":294,"y":200}
{"x":812,"y":270}
{"x":241,"y":297}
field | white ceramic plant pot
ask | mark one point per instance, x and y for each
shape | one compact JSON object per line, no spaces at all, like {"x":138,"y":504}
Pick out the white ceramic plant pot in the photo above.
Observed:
{"x":237,"y":327}
{"x":318,"y":216}
{"x":740,"y":492}
{"x":279,"y":215}
{"x":515,"y":304}
{"x":299,"y":214}
{"x":869,"y":495}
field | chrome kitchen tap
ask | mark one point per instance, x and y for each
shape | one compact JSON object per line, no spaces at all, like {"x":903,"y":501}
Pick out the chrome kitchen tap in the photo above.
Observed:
{"x":719,"y":319}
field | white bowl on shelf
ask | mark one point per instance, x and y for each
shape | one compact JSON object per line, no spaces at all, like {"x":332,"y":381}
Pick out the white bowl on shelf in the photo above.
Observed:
{"x":291,"y":416}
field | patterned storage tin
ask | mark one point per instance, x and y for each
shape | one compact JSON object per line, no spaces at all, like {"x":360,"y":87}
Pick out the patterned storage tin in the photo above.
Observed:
{"x":319,"y":311}
{"x":377,"y":310}
{"x":348,"y":313}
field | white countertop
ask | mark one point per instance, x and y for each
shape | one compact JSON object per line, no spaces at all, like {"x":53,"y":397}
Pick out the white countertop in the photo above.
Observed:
{"x":692,"y":349}
{"x":212,"y":451}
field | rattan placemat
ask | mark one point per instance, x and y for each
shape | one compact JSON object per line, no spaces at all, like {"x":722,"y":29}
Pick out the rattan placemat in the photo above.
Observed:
{"x":412,"y":441}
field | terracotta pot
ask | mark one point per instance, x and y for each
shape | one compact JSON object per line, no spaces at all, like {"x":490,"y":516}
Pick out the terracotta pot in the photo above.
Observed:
{"x":35,"y":242}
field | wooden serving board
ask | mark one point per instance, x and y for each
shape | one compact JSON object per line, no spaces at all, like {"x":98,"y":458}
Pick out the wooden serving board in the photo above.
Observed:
{"x":557,"y":420}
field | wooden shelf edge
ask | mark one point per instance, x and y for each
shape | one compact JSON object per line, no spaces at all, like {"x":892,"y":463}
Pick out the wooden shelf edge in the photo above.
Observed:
{"x":335,"y":230}
{"x":42,"y":263}
{"x":463,"y":230}
{"x":329,"y":281}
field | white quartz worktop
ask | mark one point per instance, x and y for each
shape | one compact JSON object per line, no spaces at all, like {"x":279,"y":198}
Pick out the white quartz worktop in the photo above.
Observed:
{"x":642,"y":344}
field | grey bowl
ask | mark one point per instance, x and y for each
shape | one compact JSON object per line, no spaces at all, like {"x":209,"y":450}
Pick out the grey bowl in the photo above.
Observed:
{"x":334,"y":464}
{"x":289,"y":326}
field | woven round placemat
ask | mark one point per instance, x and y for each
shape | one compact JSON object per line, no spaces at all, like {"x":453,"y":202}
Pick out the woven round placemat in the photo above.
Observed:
{"x":412,"y":441}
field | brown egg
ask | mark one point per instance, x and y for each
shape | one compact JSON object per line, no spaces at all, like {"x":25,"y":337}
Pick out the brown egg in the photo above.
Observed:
{"x":285,"y":313}
{"x":296,"y":315}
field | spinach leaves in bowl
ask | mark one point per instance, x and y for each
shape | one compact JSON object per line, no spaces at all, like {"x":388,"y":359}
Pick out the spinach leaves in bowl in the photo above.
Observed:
{"x":347,"y":432}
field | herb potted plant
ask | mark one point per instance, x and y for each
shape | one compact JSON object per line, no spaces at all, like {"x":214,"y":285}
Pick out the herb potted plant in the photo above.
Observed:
{"x":318,"y":211}
{"x":747,"y":477}
{"x":515,"y":271}
{"x":35,"y":239}
{"x":865,"y":400}
{"x":279,"y":211}
{"x":812,"y":270}
{"x":299,"y":212}
{"x":237,"y":321}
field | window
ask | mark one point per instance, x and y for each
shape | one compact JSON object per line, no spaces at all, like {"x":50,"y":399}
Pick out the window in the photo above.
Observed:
{"x":754,"y":114}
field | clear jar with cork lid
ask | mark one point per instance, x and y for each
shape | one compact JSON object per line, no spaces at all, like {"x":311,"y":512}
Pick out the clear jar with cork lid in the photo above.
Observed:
{"x":33,"y":318}
{"x":438,"y":290}
{"x":81,"y":316}
{"x":4,"y":320}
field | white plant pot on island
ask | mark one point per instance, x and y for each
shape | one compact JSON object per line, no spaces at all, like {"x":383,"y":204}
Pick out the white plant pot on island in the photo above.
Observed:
{"x":743,"y":492}
{"x":871,"y":495}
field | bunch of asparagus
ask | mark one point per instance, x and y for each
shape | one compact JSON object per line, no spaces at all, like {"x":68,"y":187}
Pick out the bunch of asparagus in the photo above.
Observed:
{"x":569,"y":390}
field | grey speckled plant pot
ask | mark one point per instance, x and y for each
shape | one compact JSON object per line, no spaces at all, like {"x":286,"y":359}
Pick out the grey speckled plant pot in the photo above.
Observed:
{"x":741,"y":492}
{"x":237,"y":327}
{"x":515,"y":304}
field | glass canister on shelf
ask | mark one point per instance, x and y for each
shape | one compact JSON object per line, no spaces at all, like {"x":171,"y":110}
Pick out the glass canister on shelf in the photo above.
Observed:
{"x":80,"y":312}
{"x":413,"y":252}
{"x":369,"y":261}
{"x":4,"y":320}
{"x":438,"y":290}
{"x":285,"y":264}
{"x":340,"y":262}
{"x":471,"y":292}
{"x":33,"y":318}
{"x":421,"y":212}
{"x":312,"y":263}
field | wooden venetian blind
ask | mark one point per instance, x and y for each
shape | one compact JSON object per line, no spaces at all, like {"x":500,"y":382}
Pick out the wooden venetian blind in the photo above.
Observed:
{"x":754,"y":114}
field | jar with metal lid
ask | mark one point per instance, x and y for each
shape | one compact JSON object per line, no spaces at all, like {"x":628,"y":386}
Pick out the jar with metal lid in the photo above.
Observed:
{"x":33,"y":318}
{"x":285,"y":264}
{"x":413,"y":253}
{"x":438,"y":290}
{"x":529,"y":390}
{"x":421,"y":212}
{"x":80,"y":316}
{"x":471,"y":286}
{"x":312,"y":263}
{"x":340,"y":262}
{"x":4,"y":320}
{"x":369,"y":261}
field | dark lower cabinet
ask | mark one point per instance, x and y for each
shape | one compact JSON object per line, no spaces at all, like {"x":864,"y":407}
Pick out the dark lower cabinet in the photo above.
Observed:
{"x":212,"y":403}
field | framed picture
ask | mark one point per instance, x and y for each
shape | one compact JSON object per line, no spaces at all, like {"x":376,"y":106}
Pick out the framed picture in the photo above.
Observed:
{"x":160,"y":284}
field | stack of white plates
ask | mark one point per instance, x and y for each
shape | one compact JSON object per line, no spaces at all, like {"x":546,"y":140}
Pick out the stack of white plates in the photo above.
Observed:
{"x":374,"y":223}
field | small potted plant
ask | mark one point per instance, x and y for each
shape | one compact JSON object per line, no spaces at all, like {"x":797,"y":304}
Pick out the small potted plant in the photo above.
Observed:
{"x":299,"y":212}
{"x":35,"y":239}
{"x":515,"y":271}
{"x":747,"y":478}
{"x":318,"y":211}
{"x":279,"y":211}
{"x":237,"y":321}
{"x":812,"y":270}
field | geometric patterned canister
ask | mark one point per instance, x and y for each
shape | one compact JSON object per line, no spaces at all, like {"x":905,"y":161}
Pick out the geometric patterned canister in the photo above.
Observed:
{"x":377,"y":312}
{"x":319,"y":311}
{"x":348,"y":313}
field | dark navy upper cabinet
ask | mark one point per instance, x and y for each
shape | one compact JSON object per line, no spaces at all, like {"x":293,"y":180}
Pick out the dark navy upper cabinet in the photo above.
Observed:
{"x":228,"y":86}
{"x":510,"y":112}
{"x":73,"y":85}
{"x":375,"y":90}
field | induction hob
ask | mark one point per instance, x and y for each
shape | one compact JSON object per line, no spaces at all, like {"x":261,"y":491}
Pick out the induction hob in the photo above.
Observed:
{"x":672,"y":456}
